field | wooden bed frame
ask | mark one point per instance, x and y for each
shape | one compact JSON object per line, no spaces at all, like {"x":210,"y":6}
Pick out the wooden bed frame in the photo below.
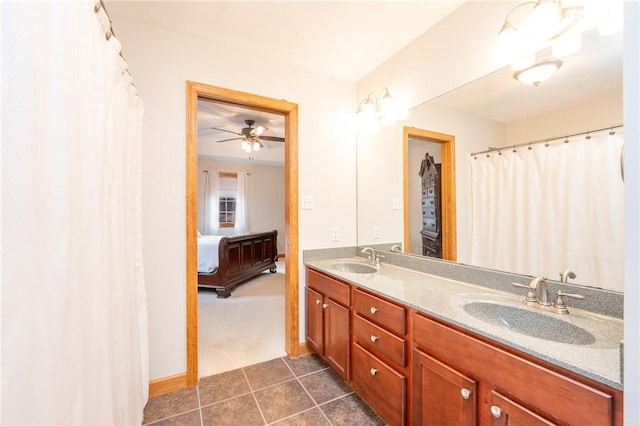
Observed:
{"x":241,"y":258}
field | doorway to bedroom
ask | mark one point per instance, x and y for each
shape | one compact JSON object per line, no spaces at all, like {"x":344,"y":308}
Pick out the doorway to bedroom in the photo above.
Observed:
{"x":241,"y":154}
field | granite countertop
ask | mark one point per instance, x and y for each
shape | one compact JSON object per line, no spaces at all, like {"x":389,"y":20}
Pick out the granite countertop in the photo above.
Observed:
{"x":445,"y":299}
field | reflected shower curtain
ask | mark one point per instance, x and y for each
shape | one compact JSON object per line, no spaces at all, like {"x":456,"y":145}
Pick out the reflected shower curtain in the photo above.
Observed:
{"x":542,"y":210}
{"x":74,"y":318}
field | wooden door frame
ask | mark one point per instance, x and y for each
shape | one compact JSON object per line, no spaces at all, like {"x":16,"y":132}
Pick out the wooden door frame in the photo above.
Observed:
{"x":197,"y":91}
{"x":447,"y":182}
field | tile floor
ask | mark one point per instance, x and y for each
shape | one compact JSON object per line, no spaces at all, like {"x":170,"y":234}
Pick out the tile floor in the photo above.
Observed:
{"x":284,"y":391}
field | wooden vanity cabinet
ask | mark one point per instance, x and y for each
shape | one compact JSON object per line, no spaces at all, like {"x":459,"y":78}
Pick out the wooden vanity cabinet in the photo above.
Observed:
{"x":511,"y":390}
{"x":442,"y":395}
{"x":415,"y":369}
{"x":328,"y":320}
{"x":379,"y":355}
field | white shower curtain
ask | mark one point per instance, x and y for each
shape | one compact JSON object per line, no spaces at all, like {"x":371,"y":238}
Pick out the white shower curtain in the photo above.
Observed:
{"x":540,"y":211}
{"x":74,"y":318}
{"x":242,"y":222}
{"x":211,"y":204}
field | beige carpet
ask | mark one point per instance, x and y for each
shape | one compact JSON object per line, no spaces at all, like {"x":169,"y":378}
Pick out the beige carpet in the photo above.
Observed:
{"x":244,"y":329}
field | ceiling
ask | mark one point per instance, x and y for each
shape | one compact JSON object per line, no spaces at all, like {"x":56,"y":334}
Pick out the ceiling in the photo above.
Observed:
{"x":345,"y":39}
{"x":349,"y":39}
{"x":232,"y":118}
{"x":592,"y":73}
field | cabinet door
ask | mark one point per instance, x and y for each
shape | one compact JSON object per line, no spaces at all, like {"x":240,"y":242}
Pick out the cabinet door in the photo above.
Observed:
{"x":505,"y":412}
{"x":314,"y":321}
{"x":441,"y":395}
{"x":336,"y":337}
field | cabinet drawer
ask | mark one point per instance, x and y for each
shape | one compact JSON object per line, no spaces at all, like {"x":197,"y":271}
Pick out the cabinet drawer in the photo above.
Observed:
{"x":429,"y":212}
{"x":328,"y":286}
{"x":428,"y":201}
{"x":381,"y":386}
{"x":385,"y":314}
{"x":377,"y":339}
{"x":561,"y":398}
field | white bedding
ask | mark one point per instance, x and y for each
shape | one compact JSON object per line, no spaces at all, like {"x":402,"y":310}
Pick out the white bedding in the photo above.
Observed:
{"x":208,"y":252}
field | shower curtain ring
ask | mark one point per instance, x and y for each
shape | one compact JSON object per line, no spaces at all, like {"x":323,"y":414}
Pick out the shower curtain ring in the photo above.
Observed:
{"x":588,"y":136}
{"x":566,"y":139}
{"x":612,"y":132}
{"x":546,"y":143}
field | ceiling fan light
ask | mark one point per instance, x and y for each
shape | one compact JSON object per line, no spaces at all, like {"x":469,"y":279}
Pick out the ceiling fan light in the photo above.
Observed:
{"x":545,"y":19}
{"x":538,"y":73}
{"x":256,"y":146}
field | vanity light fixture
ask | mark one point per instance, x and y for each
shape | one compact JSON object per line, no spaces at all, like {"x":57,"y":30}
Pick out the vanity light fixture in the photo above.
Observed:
{"x":384,"y":109}
{"x":537,"y":73}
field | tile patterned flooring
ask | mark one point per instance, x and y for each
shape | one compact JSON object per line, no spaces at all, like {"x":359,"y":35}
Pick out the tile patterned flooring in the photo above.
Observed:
{"x":284,"y":391}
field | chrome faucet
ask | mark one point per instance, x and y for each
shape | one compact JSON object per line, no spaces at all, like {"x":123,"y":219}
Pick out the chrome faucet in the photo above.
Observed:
{"x":564,"y":276}
{"x":540,"y":285}
{"x":396,"y":248}
{"x":371,"y":255}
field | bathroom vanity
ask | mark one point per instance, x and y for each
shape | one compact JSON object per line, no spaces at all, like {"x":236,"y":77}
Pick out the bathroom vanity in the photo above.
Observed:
{"x":423,"y":349}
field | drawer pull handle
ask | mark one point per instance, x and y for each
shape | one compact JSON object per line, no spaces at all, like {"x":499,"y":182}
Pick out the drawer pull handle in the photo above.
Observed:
{"x":318,"y":302}
{"x":374,"y":338}
{"x":374,"y":310}
{"x":466,"y":393}
{"x":374,"y":371}
{"x":325,"y":306}
{"x":496,"y":411}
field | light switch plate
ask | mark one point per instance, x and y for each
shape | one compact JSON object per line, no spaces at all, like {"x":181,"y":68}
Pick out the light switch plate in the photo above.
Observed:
{"x":396,"y":203}
{"x":335,"y":234}
{"x":376,"y":231}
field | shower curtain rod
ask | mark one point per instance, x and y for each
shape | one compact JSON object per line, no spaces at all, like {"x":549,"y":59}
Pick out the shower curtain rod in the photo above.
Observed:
{"x":566,"y":137}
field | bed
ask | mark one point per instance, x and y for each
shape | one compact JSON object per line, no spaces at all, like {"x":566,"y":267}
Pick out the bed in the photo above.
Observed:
{"x":226,"y":262}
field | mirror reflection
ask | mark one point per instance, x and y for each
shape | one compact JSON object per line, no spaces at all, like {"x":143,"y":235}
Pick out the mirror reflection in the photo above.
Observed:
{"x":500,"y":112}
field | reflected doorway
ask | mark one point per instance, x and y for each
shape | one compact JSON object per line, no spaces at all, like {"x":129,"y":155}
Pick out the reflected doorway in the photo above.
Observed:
{"x":429,"y":193}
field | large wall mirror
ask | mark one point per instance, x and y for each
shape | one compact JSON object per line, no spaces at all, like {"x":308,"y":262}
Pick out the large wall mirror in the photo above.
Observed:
{"x":494,"y":111}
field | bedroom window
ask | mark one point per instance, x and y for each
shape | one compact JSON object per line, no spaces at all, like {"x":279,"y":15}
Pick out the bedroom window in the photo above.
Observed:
{"x":228,"y":199}
{"x":227,"y":211}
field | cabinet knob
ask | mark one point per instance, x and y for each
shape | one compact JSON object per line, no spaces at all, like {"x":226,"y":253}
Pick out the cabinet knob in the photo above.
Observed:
{"x":318,"y":302}
{"x":496,"y":411}
{"x":374,"y":310}
{"x":466,"y":393}
{"x":325,"y":306}
{"x":374,"y":338}
{"x":374,"y":371}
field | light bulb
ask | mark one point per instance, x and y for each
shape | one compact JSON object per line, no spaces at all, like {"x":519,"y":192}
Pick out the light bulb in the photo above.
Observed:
{"x":545,"y":20}
{"x":523,"y":63}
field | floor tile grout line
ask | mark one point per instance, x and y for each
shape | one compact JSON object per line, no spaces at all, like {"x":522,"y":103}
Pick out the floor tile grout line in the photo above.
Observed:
{"x":253,"y":395}
{"x":169,"y":417}
{"x":226,"y":399}
{"x":199,"y":405}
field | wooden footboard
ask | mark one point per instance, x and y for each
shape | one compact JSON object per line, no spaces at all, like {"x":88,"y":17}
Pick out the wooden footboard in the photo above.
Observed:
{"x":240,"y":259}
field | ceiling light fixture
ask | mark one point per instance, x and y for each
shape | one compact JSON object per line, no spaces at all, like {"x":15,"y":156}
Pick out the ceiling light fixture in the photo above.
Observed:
{"x":537,"y":73}
{"x":374,"y":110}
{"x":543,"y":24}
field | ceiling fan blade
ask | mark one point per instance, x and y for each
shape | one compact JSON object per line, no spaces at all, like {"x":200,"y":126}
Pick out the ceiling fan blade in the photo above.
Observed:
{"x":227,"y":140}
{"x":225,"y":130}
{"x":272,"y":138}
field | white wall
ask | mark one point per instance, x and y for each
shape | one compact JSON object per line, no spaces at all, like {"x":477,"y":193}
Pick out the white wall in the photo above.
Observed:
{"x":161,"y":62}
{"x":598,"y":113}
{"x":265,"y":196}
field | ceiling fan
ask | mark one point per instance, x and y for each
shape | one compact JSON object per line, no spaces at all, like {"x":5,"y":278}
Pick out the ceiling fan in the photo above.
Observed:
{"x":251,"y":136}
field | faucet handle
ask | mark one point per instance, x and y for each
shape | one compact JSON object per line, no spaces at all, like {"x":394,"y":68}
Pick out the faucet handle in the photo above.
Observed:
{"x":531,"y":295}
{"x":559,"y":304}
